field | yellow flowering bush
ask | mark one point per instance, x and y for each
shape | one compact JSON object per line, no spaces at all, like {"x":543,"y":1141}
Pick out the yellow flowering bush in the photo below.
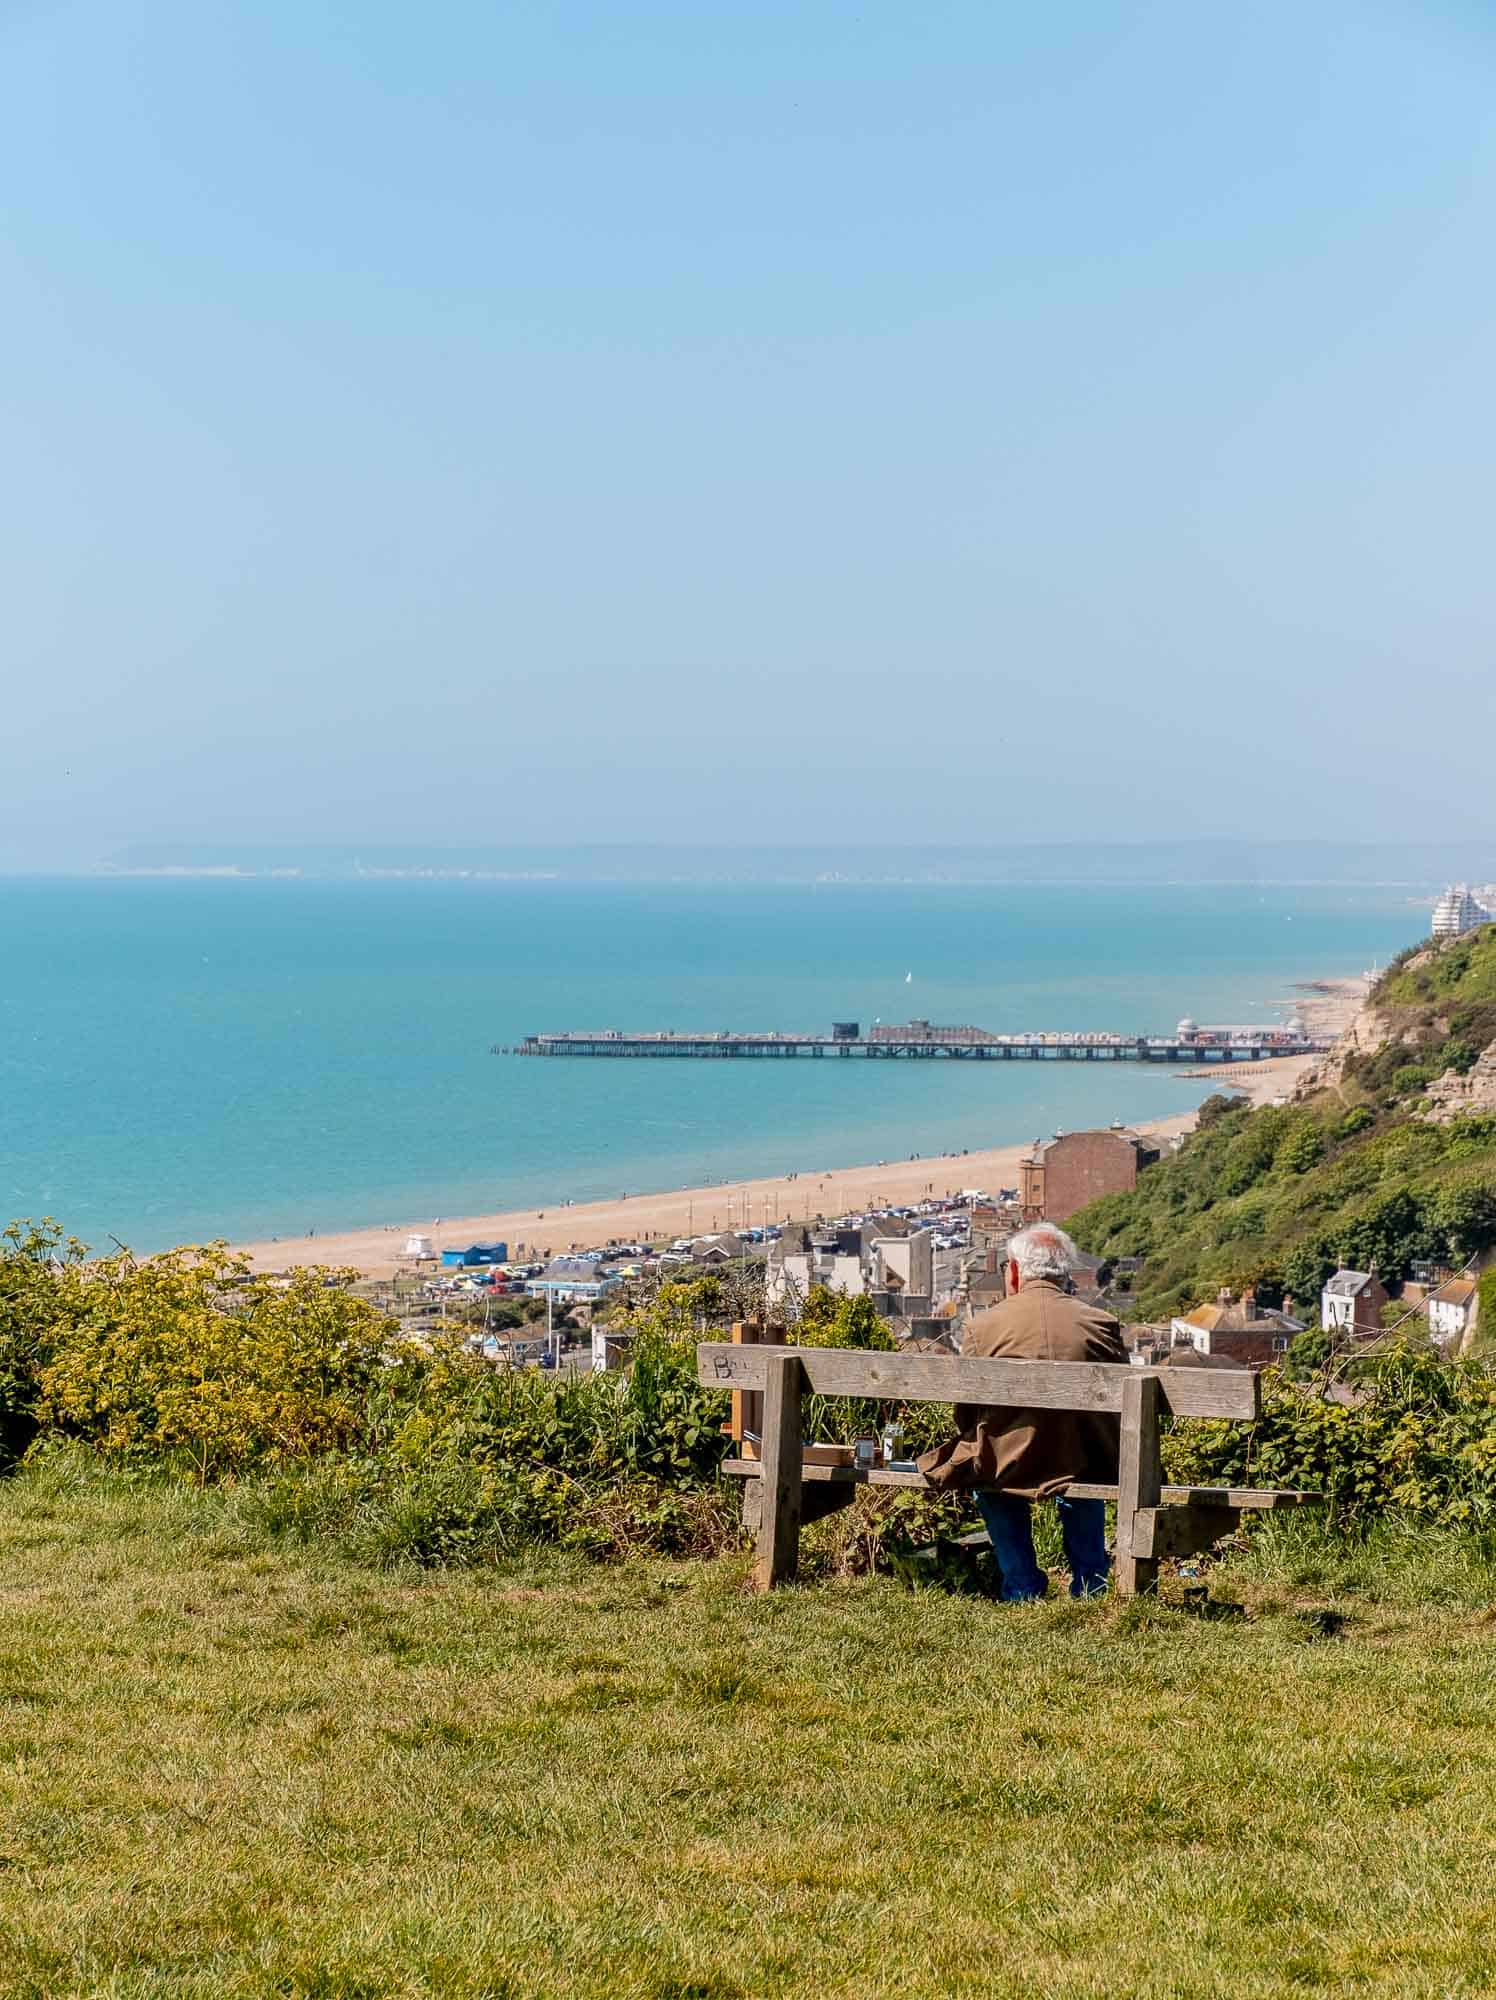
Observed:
{"x":189,"y":1356}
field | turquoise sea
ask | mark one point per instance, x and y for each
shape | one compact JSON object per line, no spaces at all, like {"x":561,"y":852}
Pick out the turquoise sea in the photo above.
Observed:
{"x":181,"y":1059}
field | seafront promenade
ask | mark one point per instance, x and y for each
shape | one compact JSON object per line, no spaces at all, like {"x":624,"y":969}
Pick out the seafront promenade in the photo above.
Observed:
{"x":678,"y":1212}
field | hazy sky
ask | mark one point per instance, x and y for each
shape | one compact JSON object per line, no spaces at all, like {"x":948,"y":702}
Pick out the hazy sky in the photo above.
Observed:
{"x":974,"y":422}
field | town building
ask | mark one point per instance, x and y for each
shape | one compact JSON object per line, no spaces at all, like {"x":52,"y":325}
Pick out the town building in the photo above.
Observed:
{"x":572,"y":1280}
{"x":804,"y":1258}
{"x":1451,"y":1309}
{"x":1352,"y":1302}
{"x":1236,"y":1330}
{"x":1458,"y":911}
{"x":1075,"y":1168}
{"x":724,"y":1248}
{"x":903,"y":1273}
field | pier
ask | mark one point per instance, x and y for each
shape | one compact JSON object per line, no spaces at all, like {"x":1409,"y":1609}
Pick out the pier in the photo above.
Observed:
{"x":919,"y":1041}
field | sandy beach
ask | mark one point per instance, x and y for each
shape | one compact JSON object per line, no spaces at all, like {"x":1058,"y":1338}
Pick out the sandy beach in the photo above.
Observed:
{"x":1326,"y":1006}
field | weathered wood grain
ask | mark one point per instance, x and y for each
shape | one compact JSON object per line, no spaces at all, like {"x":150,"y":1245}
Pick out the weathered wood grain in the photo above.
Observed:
{"x":938,"y":1378}
{"x":1140,"y":1481}
{"x":1241,"y":1498}
{"x":779,"y":1527}
{"x":1180,"y":1531}
{"x":748,"y":1404}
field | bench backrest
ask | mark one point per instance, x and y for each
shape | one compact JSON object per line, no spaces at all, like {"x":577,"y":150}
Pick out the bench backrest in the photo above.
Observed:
{"x":1028,"y":1385}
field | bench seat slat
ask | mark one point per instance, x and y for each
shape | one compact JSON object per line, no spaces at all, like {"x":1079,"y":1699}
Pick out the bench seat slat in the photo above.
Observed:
{"x":1246,"y":1498}
{"x":940,"y":1378}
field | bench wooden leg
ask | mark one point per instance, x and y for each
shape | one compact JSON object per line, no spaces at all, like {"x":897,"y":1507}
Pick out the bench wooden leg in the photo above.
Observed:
{"x":779,"y":1482}
{"x":1140,"y":1478}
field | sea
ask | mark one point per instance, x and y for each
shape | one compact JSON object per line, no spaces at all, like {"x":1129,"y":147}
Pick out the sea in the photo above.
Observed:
{"x":183,"y":1059}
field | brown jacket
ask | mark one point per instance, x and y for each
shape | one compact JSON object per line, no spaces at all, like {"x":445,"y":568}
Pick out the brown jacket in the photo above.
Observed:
{"x":1032,"y":1453}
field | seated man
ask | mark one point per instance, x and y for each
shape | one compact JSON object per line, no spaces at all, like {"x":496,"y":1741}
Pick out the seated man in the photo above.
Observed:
{"x":1030,"y":1454}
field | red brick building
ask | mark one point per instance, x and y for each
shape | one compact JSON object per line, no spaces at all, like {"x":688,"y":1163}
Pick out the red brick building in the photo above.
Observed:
{"x":1079,"y":1167}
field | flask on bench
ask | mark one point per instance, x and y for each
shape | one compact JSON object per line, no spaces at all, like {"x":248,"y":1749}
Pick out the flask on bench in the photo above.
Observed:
{"x":893,"y":1441}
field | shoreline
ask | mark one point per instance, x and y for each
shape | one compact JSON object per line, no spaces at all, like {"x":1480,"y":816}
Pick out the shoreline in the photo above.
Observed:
{"x":1326,"y":1005}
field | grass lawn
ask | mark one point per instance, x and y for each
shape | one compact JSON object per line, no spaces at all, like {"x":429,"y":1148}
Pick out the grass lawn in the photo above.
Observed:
{"x":227,"y":1771}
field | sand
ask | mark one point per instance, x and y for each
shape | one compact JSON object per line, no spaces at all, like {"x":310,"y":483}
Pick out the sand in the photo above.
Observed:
{"x":1326,"y":1006}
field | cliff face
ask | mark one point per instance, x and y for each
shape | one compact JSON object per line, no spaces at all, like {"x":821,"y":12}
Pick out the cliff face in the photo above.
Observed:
{"x":1455,"y":1096}
{"x":1369,"y":1030}
{"x":1436,"y":1005}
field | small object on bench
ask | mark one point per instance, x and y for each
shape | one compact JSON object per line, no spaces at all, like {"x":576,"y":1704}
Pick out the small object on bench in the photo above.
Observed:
{"x":1153,"y":1521}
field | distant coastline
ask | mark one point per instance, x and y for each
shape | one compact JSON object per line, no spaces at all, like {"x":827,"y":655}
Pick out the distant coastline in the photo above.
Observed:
{"x":1418,"y":866}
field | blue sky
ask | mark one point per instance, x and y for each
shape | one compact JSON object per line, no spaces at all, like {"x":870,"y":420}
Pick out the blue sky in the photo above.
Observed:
{"x":485,"y":423}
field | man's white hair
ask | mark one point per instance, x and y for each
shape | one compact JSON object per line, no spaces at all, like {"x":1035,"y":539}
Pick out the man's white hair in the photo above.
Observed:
{"x":1042,"y":1251}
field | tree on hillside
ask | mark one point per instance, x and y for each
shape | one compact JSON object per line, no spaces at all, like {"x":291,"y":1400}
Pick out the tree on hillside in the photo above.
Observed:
{"x":1465,"y":1217}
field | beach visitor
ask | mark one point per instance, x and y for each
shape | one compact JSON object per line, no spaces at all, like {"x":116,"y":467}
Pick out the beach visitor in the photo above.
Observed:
{"x":1032,"y":1455}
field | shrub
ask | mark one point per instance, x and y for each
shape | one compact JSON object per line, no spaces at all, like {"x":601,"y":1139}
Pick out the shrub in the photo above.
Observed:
{"x":1299,"y":1148}
{"x":1485,"y":1313}
{"x":189,"y":1356}
{"x":32,"y":1261}
{"x":1219,"y":1106}
{"x":830,"y":1319}
{"x":1420,"y":1437}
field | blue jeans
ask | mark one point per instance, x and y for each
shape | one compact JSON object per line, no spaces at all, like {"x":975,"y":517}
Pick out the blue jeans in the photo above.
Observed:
{"x":1010,"y":1526}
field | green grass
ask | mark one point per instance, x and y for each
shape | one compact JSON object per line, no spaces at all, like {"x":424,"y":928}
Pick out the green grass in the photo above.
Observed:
{"x":1280,"y":1195}
{"x":1465,"y":968}
{"x":229,"y":1771}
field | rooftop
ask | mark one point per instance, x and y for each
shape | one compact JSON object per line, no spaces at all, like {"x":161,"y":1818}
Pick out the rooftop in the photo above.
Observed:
{"x":1349,"y":1284}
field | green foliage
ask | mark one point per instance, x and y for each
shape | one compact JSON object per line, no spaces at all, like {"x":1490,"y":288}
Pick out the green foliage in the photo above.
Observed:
{"x":1463,"y":1214}
{"x":187,"y":1355}
{"x":33,"y":1257}
{"x":1308,"y":1354}
{"x":1419,"y":1436}
{"x":830,"y":1319}
{"x":1485,"y":1316}
{"x":399,"y":1452}
{"x":1219,"y":1105}
{"x":1465,"y":968}
{"x":465,"y":1513}
{"x":1392,"y":1558}
{"x":1300,"y":1148}
{"x":1283,"y":1195}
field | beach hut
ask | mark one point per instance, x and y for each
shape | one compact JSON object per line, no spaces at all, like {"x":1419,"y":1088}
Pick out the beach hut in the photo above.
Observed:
{"x":418,"y":1247}
{"x":475,"y":1254}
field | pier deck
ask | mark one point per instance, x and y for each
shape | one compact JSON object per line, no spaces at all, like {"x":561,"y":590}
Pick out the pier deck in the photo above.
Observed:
{"x":943,"y":1044}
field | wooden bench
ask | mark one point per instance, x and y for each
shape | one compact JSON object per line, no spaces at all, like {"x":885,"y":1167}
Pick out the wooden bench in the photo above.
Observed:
{"x":1153,"y":1520}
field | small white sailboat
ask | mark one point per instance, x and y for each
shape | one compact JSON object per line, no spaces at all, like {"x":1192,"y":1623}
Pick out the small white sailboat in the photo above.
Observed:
{"x":908,"y":978}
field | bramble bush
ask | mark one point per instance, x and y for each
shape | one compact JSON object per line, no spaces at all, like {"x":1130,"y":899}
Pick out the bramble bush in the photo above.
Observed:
{"x":1411,"y":1434}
